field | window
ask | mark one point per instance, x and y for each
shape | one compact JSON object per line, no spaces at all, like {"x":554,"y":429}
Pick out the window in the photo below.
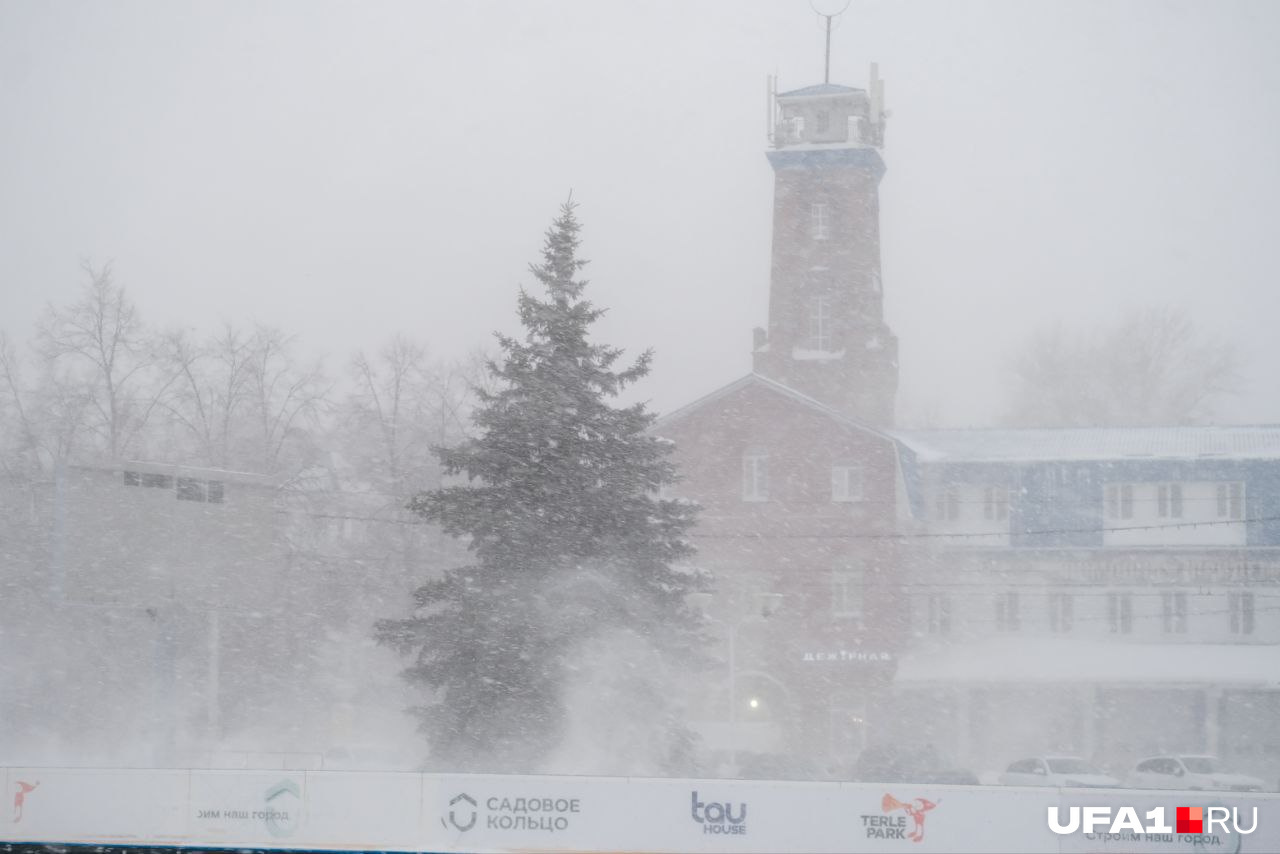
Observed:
{"x":995,"y":503}
{"x":795,"y":126}
{"x":1120,"y":501}
{"x":1061,"y":608}
{"x":946,"y":505}
{"x":186,"y":488}
{"x":1231,"y":501}
{"x":1241,"y":608}
{"x":1174,"y":612}
{"x":823,"y":122}
{"x":820,"y":216}
{"x":1120,"y":613}
{"x":755,"y":476}
{"x":939,"y":609}
{"x":190,"y":489}
{"x":1007,"y":611}
{"x":820,"y":324}
{"x":1169,"y":501}
{"x":846,"y":482}
{"x":846,"y":595}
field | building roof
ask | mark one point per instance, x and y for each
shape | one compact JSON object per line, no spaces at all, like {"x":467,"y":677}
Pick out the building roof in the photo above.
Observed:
{"x":1093,"y":443}
{"x":819,"y":89}
{"x":777,"y":388}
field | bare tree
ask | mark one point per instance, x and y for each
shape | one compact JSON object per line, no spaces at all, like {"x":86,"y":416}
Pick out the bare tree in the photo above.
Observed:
{"x":1153,"y":366}
{"x":210,"y":392}
{"x":285,"y":397}
{"x":97,"y":350}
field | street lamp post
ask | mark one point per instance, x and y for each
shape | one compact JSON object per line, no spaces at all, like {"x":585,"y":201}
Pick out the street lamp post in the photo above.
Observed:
{"x":731,"y":631}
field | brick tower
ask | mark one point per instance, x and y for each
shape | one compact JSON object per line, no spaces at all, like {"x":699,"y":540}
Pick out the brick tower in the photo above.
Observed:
{"x":827,"y":337}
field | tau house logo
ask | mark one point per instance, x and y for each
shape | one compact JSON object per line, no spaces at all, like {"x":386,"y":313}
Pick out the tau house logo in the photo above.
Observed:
{"x":467,"y":810}
{"x":718,"y":817}
{"x":890,"y":826}
{"x":1193,"y":824}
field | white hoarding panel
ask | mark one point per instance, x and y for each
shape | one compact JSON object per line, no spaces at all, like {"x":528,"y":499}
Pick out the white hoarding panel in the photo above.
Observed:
{"x":341,"y":810}
{"x":95,"y":805}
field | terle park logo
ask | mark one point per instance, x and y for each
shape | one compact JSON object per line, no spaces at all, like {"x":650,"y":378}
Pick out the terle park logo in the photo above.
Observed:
{"x":888,"y":824}
{"x":1196,"y":825}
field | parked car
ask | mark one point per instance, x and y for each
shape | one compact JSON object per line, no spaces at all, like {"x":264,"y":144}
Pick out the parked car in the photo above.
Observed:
{"x":896,"y":764}
{"x":1190,"y":772}
{"x":1068,"y":771}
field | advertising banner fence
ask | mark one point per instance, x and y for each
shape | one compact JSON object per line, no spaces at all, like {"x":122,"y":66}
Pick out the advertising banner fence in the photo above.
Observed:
{"x":341,"y":810}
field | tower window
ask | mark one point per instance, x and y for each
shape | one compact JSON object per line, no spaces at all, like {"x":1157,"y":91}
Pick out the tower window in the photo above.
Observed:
{"x":846,"y":482}
{"x":820,"y":216}
{"x":755,"y":476}
{"x":820,"y":324}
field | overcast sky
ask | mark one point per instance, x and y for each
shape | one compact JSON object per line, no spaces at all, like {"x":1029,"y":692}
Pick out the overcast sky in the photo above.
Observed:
{"x":351,"y":170}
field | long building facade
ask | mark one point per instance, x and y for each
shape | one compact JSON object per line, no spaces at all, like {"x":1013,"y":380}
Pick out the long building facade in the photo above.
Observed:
{"x":1109,"y":593}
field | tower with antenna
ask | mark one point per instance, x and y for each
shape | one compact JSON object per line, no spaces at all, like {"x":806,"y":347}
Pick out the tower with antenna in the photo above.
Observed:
{"x":826,"y":335}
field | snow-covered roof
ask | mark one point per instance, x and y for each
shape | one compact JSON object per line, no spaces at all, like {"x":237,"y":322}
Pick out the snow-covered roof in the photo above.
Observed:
{"x":1032,"y":660}
{"x":819,"y":89}
{"x":1093,"y":443}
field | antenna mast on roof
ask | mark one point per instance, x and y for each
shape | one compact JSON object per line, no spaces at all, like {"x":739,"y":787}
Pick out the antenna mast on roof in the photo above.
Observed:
{"x":829,"y":16}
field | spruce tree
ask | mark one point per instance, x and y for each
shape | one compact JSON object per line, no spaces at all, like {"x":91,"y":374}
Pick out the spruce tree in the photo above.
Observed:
{"x":571,"y":547}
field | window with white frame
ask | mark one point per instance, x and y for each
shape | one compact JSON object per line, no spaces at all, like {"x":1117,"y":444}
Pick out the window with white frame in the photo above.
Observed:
{"x":1007,"y":617}
{"x":1120,"y":501}
{"x":795,"y":126}
{"x":1120,"y":613}
{"x":820,"y":219}
{"x":755,"y":475}
{"x":1240,"y":606}
{"x":1230,"y":500}
{"x":1169,"y":501}
{"x":946,"y":504}
{"x":1061,"y":612}
{"x":995,"y":503}
{"x":820,"y":324}
{"x":846,"y":481}
{"x":938,"y":610}
{"x":1173,"y":612}
{"x":846,"y":595}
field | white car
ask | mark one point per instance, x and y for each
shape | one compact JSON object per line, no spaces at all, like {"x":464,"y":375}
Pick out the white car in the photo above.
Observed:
{"x":1190,"y":772}
{"x":1068,"y":771}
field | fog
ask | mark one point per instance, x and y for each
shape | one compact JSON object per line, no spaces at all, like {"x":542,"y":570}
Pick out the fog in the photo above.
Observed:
{"x":559,"y":388}
{"x":344,"y":171}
